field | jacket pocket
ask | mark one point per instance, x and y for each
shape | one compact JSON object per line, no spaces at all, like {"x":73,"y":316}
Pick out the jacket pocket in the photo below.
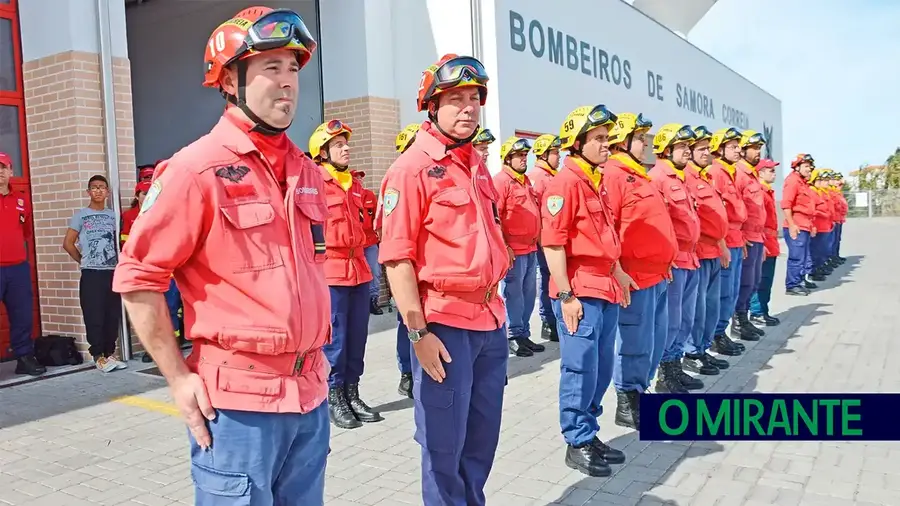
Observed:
{"x":258,"y":340}
{"x":313,"y":243}
{"x":253,"y":235}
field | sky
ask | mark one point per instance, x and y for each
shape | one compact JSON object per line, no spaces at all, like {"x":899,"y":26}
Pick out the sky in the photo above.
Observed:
{"x":833,"y":64}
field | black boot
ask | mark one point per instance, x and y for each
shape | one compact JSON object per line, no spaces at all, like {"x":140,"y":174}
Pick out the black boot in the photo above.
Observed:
{"x":628,"y":409}
{"x":797,"y":290}
{"x":666,"y":380}
{"x":718,"y":362}
{"x":817,"y":275}
{"x":405,"y":386}
{"x":373,"y":306}
{"x":724,"y":346}
{"x":339,"y":410}
{"x":697,"y":364}
{"x":742,"y":328}
{"x":30,"y":366}
{"x":549,"y":332}
{"x":609,"y":454}
{"x":362,"y":410}
{"x":533,"y":346}
{"x":686,"y":380}
{"x":770,"y":320}
{"x":586,"y":460}
{"x":518,"y":348}
{"x":809,"y":285}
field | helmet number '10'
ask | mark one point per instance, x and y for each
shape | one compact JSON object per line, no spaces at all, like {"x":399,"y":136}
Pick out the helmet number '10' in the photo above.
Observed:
{"x":217,"y":43}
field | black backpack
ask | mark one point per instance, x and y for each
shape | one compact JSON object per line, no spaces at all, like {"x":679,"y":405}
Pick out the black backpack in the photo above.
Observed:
{"x":56,"y":350}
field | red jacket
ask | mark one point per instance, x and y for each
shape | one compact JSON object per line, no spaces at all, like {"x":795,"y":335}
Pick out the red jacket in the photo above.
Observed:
{"x":751,"y":191}
{"x":770,"y":239}
{"x":723,"y":177}
{"x":682,"y":210}
{"x":710,"y":209}
{"x":520,"y":214}
{"x":370,"y":205}
{"x":800,"y":199}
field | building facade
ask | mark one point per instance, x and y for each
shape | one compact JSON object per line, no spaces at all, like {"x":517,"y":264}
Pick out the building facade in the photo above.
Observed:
{"x":100,"y":86}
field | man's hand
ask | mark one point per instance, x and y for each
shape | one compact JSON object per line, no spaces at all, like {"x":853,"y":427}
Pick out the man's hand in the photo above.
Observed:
{"x":627,"y":284}
{"x":793,"y":231}
{"x":745,"y":251}
{"x":431,"y":351}
{"x":724,"y":256}
{"x":512,"y":256}
{"x":813,"y":232}
{"x":192,"y":400}
{"x":669,"y":275}
{"x":572,"y":314}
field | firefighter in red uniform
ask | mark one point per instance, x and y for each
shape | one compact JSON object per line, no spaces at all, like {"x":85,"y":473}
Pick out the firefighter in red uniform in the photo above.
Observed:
{"x":520,"y":217}
{"x":822,"y":227}
{"x":837,"y":183}
{"x":713,"y":254}
{"x":546,"y":151}
{"x":131,"y":214}
{"x":403,"y":141}
{"x":443,"y":250}
{"x":759,"y":303}
{"x":751,"y":190}
{"x":649,"y":248}
{"x":482,"y":141}
{"x":370,"y":206}
{"x":798,"y":202}
{"x":671,"y":144}
{"x":726,"y":149}
{"x":15,"y":271}
{"x":145,"y":172}
{"x":582,"y":251}
{"x":347,"y":273}
{"x":238,"y":216}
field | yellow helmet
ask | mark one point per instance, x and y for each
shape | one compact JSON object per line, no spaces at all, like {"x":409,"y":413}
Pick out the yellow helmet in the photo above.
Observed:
{"x":814,"y":175}
{"x":628,"y":123}
{"x":671,"y":134}
{"x":324,"y":133}
{"x":545,"y":143}
{"x":581,"y":121}
{"x":406,"y":136}
{"x":484,"y":136}
{"x":701,"y":133}
{"x":752,"y":138}
{"x":722,"y":136}
{"x":514,"y":145}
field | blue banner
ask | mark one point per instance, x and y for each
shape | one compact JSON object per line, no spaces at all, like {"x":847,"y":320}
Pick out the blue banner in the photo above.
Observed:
{"x":769,"y":417}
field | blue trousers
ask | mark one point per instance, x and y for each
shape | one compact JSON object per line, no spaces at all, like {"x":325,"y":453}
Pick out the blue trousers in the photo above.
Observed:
{"x":587,"y":358}
{"x":16,"y":294}
{"x":759,"y":304}
{"x":641,"y":339}
{"x":372,"y":259}
{"x":173,"y":301}
{"x":546,"y":307}
{"x":404,"y":347}
{"x":519,"y":289}
{"x":262,"y":459}
{"x":458,"y":420}
{"x":729,"y":287}
{"x":349,"y":333}
{"x":798,"y":252}
{"x":820,"y":248}
{"x":682,"y":294}
{"x":706,"y":314}
{"x":750,"y":274}
{"x":838,"y":231}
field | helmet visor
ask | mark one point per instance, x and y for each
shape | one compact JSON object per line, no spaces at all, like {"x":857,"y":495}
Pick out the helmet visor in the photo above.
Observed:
{"x":642,"y":123}
{"x":755,"y":139}
{"x":600,"y":115}
{"x":684,"y":134}
{"x":459,"y":71}
{"x":521,"y":145}
{"x":484,"y":137}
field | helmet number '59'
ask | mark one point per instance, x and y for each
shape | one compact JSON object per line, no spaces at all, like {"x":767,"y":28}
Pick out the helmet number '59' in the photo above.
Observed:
{"x":217,"y":43}
{"x":570,"y":125}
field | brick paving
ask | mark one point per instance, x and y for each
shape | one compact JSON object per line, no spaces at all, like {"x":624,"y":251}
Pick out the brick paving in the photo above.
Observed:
{"x":65,"y":442}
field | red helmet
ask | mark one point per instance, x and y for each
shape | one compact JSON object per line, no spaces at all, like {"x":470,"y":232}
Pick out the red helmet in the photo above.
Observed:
{"x":252,"y":31}
{"x":5,"y":159}
{"x":451,"y":71}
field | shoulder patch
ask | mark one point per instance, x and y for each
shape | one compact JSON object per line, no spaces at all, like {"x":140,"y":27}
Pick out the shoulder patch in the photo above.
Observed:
{"x":391,"y":198}
{"x":152,"y":195}
{"x":555,"y":204}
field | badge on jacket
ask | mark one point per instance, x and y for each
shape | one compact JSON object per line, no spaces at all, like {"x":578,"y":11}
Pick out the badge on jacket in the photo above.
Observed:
{"x":152,"y":195}
{"x":391,"y":199}
{"x":554,"y":204}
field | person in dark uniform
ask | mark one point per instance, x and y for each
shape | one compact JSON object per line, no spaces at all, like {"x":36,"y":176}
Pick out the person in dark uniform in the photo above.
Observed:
{"x":15,"y":271}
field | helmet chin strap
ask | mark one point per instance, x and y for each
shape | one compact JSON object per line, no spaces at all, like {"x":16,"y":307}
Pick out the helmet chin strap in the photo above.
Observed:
{"x":241,"y":102}
{"x":432,"y":115}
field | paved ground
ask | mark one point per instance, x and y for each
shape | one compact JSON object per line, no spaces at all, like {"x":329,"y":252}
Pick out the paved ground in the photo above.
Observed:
{"x":63,"y":442}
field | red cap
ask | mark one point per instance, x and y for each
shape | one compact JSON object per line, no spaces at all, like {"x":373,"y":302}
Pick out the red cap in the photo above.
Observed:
{"x":766,"y":163}
{"x":5,"y":159}
{"x":142,"y":187}
{"x":148,"y":172}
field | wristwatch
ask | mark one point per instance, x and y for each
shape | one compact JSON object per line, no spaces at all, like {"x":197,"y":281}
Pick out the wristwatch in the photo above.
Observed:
{"x":565,"y":296}
{"x":416,"y":335}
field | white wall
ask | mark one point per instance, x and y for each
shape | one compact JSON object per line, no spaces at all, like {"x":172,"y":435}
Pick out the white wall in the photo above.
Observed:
{"x":166,"y":40}
{"x":55,"y":26}
{"x":535,"y":93}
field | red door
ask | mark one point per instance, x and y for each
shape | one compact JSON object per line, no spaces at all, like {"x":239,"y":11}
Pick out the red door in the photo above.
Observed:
{"x":12,"y":137}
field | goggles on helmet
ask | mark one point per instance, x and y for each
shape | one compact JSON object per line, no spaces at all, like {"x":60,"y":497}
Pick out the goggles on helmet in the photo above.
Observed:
{"x":684,"y":134}
{"x":460,"y":70}
{"x":277,"y":29}
{"x":701,"y":132}
{"x":337,"y":126}
{"x":520,"y":145}
{"x":642,"y":123}
{"x":600,"y":115}
{"x":730,"y":135}
{"x":555,"y":144}
{"x":755,"y":139}
{"x":484,"y":137}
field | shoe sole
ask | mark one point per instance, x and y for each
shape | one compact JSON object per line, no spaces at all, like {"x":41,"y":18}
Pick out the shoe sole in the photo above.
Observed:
{"x":629,"y":425}
{"x":342,"y":426}
{"x":707,"y":373}
{"x":597,"y":473}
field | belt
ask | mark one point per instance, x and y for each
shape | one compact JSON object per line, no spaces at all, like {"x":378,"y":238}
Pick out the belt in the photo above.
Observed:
{"x":484,"y":296}
{"x":286,"y":364}
{"x":344,"y":253}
